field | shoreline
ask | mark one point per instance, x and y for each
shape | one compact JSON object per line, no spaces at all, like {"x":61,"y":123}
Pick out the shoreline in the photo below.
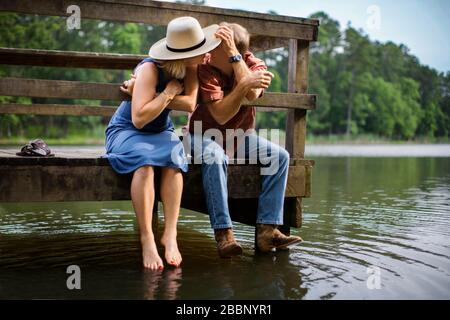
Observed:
{"x":310,"y":140}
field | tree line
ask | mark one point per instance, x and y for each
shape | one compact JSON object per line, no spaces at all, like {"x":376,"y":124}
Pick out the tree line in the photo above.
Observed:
{"x":364,"y":86}
{"x":368,"y":87}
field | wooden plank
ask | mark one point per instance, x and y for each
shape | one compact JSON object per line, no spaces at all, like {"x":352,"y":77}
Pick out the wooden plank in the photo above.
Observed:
{"x":176,"y":113}
{"x":87,"y":155}
{"x":94,"y":60}
{"x":262,"y":43}
{"x":285,"y":101}
{"x":82,"y":110}
{"x":74,"y":59}
{"x":76,"y":173}
{"x":40,"y":88}
{"x":57,"y":109}
{"x":160,"y":13}
{"x":81,"y":183}
{"x":101,"y":183}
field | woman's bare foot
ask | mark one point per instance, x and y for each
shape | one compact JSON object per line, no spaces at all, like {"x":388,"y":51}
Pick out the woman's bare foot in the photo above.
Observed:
{"x":172,"y":254}
{"x":150,"y":256}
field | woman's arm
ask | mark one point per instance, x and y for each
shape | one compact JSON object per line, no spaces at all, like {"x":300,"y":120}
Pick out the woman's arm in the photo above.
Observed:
{"x":145,"y":107}
{"x":187,"y":101}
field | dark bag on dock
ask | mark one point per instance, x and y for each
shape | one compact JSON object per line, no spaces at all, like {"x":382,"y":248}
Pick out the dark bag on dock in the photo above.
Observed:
{"x":35,"y":148}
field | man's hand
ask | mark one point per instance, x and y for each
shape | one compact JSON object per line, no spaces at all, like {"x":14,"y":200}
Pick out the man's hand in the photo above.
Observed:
{"x":128,"y":85}
{"x":226,"y":34}
{"x":258,"y":79}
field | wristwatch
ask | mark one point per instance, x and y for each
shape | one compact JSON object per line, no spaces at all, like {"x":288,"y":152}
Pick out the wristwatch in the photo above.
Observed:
{"x":235,"y":58}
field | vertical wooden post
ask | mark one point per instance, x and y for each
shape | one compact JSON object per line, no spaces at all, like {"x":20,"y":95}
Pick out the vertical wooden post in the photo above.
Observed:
{"x":297,"y":83}
{"x":296,"y":121}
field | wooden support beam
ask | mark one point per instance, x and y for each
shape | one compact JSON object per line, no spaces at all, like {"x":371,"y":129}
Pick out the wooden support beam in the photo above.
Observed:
{"x":40,"y":88}
{"x":94,"y":60}
{"x":57,"y":109}
{"x":296,"y":120}
{"x":82,"y":110}
{"x":81,"y":183}
{"x":262,"y":43}
{"x":68,"y":59}
{"x":297,"y":83}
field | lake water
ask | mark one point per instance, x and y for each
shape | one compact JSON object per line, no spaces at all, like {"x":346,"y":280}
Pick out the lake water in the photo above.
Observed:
{"x":371,"y":213}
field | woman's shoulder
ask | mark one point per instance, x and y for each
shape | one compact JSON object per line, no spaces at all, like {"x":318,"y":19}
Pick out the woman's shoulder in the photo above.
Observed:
{"x":151,"y":60}
{"x":148,"y":64}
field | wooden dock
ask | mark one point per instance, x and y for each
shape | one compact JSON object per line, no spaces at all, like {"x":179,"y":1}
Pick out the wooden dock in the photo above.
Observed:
{"x":81,"y":174}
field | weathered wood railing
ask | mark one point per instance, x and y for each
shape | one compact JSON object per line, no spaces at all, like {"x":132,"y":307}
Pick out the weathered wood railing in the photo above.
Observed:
{"x":91,"y":177}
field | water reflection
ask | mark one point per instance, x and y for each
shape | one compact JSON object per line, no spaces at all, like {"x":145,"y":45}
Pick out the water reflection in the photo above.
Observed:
{"x":162,"y":284}
{"x":384,"y":212}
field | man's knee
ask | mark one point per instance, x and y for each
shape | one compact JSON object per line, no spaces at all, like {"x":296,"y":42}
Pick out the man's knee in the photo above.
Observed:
{"x":283,"y":155}
{"x":214,"y":154}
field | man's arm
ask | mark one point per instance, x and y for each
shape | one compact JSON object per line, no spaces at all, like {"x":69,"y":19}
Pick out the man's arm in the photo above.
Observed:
{"x":225,"y":109}
{"x":240,"y":68}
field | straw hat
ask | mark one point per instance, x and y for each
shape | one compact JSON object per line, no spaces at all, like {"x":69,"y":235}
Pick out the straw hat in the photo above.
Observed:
{"x":185,"y":38}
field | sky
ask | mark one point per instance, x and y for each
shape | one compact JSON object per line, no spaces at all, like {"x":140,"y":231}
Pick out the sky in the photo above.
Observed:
{"x":422,"y":25}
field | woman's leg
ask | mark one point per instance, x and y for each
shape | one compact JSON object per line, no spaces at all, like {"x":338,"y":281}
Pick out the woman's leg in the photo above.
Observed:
{"x":171,"y":190}
{"x":143,"y":198}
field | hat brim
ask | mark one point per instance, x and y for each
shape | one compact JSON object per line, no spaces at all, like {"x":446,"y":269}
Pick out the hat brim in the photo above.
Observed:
{"x":159,"y":50}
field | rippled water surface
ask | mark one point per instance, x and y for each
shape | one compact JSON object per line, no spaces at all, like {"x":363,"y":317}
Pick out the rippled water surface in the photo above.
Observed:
{"x":386,"y":213}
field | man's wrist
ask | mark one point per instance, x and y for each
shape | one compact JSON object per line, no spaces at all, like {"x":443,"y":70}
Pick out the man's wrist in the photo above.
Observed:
{"x":232,"y":52}
{"x":244,"y":84}
{"x":235,"y":58}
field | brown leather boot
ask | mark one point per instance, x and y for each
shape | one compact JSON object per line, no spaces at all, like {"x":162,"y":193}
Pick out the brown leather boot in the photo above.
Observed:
{"x":264,"y":237}
{"x":269,"y":237}
{"x":226,"y":244}
{"x":282,"y":241}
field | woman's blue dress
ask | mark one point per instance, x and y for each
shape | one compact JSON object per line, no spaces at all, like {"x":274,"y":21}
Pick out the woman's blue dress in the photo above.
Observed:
{"x":156,"y":144}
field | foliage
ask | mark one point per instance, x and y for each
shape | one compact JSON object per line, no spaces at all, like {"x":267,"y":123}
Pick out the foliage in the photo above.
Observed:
{"x":365,"y":87}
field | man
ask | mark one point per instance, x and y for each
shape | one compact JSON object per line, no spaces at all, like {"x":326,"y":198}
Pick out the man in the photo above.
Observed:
{"x":228,"y":77}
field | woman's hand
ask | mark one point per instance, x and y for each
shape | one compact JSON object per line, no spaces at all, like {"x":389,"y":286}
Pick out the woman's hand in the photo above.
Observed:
{"x":174,"y":88}
{"x":128,"y":85}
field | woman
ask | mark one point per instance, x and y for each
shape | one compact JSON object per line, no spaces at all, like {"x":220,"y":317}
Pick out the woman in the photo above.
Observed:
{"x":141,"y":135}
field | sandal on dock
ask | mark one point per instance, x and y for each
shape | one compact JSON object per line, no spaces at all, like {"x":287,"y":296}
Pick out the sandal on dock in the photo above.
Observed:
{"x":35,"y":148}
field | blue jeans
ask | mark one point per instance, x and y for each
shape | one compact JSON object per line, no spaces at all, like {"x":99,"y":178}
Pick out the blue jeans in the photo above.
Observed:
{"x":214,"y":173}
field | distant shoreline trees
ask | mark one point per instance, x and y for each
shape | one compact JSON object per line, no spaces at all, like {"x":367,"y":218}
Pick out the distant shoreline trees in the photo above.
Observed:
{"x":364,"y":86}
